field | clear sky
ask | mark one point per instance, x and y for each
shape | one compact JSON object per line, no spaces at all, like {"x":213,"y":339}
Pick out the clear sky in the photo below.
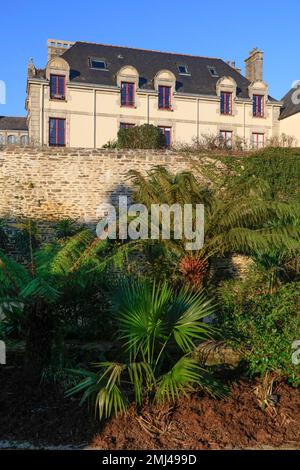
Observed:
{"x":214,"y":28}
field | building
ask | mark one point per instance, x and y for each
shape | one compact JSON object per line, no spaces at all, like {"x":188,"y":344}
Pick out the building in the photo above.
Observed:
{"x":290,"y":114}
{"x":13,"y":131}
{"x":88,"y":91}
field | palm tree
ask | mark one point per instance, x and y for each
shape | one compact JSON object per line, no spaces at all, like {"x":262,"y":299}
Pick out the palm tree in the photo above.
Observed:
{"x":237,"y":220}
{"x":157,"y":329}
{"x":58,"y":273}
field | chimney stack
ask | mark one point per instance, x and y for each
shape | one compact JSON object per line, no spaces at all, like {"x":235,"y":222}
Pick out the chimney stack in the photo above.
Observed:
{"x":254,"y":65}
{"x":56,"y":47}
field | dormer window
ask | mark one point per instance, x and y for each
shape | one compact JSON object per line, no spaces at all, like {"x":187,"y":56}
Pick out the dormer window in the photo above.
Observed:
{"x":183,"y":70}
{"x":127,"y":94}
{"x":97,"y":64}
{"x":226,"y":102}
{"x":213,"y":72}
{"x":58,"y":87}
{"x":258,"y":105}
{"x":164,"y":97}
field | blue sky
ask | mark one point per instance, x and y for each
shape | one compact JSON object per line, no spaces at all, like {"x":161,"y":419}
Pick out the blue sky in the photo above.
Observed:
{"x":191,"y":26}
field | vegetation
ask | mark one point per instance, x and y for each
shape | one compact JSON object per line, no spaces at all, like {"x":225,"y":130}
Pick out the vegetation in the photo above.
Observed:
{"x":157,"y":329}
{"x":145,"y":136}
{"x":154,"y":301}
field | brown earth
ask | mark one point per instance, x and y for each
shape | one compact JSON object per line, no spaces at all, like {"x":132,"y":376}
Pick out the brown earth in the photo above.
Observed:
{"x":45,"y":416}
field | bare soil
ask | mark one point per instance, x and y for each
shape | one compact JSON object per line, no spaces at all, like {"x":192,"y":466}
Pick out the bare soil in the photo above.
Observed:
{"x":45,"y":416}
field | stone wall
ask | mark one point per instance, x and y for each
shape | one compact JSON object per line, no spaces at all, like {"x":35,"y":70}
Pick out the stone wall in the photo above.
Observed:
{"x":49,"y":184}
{"x":52,"y":183}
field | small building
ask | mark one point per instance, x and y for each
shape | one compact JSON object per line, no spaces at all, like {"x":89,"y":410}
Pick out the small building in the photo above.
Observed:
{"x":13,"y":130}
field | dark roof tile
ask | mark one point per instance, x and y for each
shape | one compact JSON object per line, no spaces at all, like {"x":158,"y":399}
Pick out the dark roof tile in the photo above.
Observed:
{"x":12,"y":123}
{"x":290,"y":107}
{"x":148,"y":63}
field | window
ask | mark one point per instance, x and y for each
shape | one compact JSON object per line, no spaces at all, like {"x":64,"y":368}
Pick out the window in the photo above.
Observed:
{"x":125,"y":125}
{"x":164,"y":97}
{"x":212,"y":70}
{"x":183,"y":70}
{"x":167,"y":132}
{"x":258,"y":105}
{"x":99,"y":64}
{"x":226,"y":138}
{"x":57,"y":130}
{"x":11,"y":139}
{"x":24,"y":140}
{"x":226,"y":102}
{"x":58,"y":87}
{"x":258,"y":140}
{"x":127,"y":94}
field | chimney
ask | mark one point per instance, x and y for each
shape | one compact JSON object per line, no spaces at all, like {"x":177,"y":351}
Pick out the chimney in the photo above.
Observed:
{"x":254,"y":65}
{"x":56,"y":47}
{"x":31,"y":70}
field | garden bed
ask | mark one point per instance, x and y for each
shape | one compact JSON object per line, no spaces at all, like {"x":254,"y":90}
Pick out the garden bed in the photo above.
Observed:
{"x":46,"y":418}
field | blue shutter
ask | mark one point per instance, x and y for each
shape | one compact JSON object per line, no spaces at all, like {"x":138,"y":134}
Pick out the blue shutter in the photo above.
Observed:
{"x":61,"y":131}
{"x":160,"y":97}
{"x":168,"y":102}
{"x":228,"y":100}
{"x":222,"y":103}
{"x":130,"y":94}
{"x":52,"y":85}
{"x":254,"y":106}
{"x":123,"y":94}
{"x":61,"y":86}
{"x":168,"y":136}
{"x":52,"y":131}
{"x":259,"y":99}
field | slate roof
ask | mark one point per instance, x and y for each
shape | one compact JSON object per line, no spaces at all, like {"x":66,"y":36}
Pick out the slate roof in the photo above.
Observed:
{"x":148,"y":63}
{"x":289,"y":108}
{"x":13,"y":123}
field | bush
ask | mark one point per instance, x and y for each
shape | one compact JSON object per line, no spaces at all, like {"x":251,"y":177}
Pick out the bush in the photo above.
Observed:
{"x":264,"y":326}
{"x":146,"y":136}
{"x":157,"y":329}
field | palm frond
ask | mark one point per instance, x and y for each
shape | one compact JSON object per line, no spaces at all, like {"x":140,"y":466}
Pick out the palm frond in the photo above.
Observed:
{"x":179,"y":380}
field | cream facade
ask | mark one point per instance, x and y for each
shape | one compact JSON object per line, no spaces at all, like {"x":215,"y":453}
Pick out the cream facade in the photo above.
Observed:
{"x":91,"y":113}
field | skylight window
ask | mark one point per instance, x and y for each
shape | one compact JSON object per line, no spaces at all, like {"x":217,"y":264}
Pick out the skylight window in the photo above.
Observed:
{"x":212,"y":71}
{"x":183,"y":70}
{"x":99,"y":64}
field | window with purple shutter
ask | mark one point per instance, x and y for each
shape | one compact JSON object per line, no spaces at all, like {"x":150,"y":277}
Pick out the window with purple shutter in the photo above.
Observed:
{"x":127,"y":94}
{"x":164,"y":97}
{"x":57,"y":87}
{"x":167,"y":133}
{"x":57,"y":131}
{"x":258,"y":105}
{"x":126,"y":125}
{"x":226,"y":102}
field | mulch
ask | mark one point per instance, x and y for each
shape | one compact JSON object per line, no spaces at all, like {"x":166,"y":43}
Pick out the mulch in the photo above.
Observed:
{"x":44,"y":416}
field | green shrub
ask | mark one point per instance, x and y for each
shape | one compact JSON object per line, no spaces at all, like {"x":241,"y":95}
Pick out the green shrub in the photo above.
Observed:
{"x":66,"y":228}
{"x":146,"y":136}
{"x":263,"y":325}
{"x":157,"y":329}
